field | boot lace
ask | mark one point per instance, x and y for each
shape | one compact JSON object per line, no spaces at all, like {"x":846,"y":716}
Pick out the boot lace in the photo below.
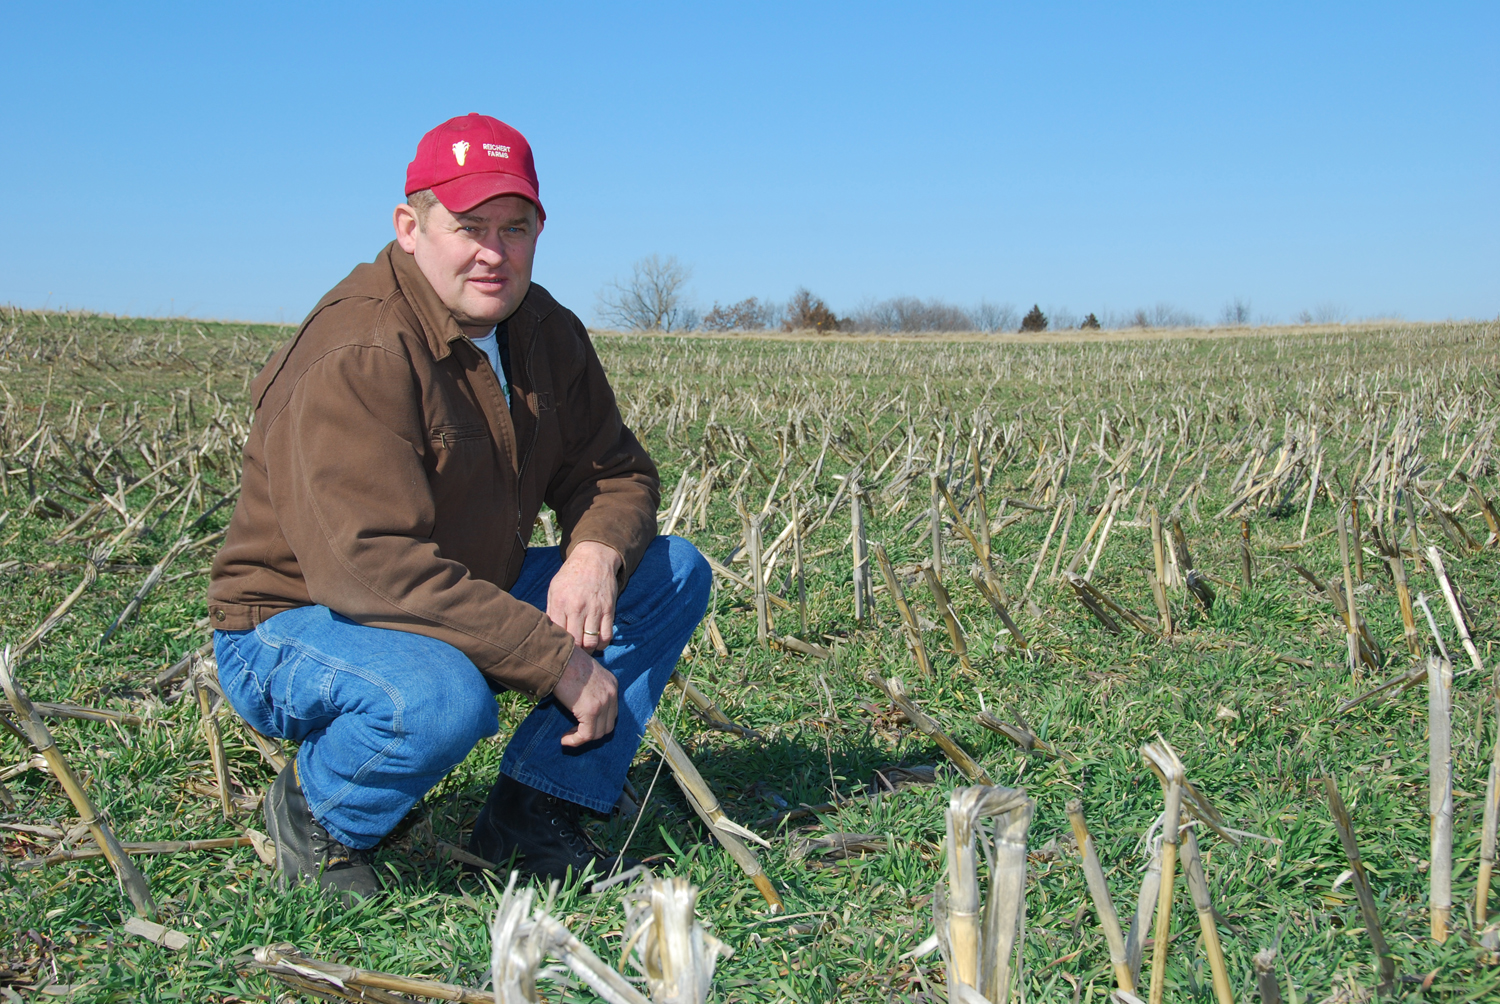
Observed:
{"x":565,"y":821}
{"x":335,"y":854}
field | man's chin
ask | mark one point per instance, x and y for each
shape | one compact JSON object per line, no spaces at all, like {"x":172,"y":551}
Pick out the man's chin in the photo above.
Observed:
{"x":487,"y":311}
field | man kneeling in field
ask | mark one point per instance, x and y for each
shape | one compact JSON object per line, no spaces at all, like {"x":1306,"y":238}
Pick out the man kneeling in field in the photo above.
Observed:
{"x":375,"y":588}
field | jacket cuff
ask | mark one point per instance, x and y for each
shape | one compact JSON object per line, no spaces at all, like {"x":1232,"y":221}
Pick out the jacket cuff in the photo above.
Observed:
{"x":536,"y":665}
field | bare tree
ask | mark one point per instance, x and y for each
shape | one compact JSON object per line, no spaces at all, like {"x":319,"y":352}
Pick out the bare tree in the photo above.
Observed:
{"x":995,"y":316}
{"x":747,"y":315}
{"x":807,"y":312}
{"x":651,"y":299}
{"x":1061,"y":318}
{"x":1328,"y":312}
{"x":1236,"y":313}
{"x":909,"y":314}
{"x":1164,"y":315}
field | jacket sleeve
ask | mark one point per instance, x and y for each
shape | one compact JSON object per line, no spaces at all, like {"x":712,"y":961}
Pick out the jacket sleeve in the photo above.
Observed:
{"x":606,"y":489}
{"x":350,"y":491}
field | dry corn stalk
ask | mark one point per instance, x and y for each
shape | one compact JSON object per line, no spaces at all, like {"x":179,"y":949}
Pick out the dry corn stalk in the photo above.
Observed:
{"x":1145,"y":909}
{"x":862,"y":591}
{"x":950,"y":620}
{"x":1166,"y":762}
{"x":152,"y":578}
{"x":211,"y":736}
{"x":148,"y":847}
{"x":1265,"y":976}
{"x":1247,"y":563}
{"x":1104,"y":906}
{"x":1041,"y":556}
{"x":977,"y":941}
{"x":1005,"y":907}
{"x":96,"y":559}
{"x":919,"y":719}
{"x":794,"y":644}
{"x":517,"y":947}
{"x":49,"y":710}
{"x":36,"y":730}
{"x":908,"y":619}
{"x":1351,"y":615}
{"x":1087,"y":591}
{"x":709,"y":710}
{"x":1159,"y":580}
{"x":672,"y":950}
{"x":1022,"y":737}
{"x":1192,"y":864}
{"x":1487,"y":837}
{"x":268,"y":748}
{"x":1417,"y":674}
{"x":757,"y":579}
{"x":744,"y":583}
{"x":981,"y":547}
{"x":1345,"y":827}
{"x":290,"y":966}
{"x":936,"y":525}
{"x":701,"y":797}
{"x":1397,"y":566}
{"x":1359,"y":544}
{"x":1440,"y":792}
{"x":1436,"y":558}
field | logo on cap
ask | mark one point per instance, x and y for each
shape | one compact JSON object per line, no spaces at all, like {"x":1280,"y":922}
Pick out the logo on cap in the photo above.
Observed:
{"x":460,"y":151}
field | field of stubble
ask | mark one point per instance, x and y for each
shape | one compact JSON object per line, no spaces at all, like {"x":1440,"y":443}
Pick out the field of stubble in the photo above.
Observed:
{"x":120,"y":443}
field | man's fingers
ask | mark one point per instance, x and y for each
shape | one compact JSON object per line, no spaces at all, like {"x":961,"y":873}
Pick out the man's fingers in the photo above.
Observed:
{"x":599,"y":633}
{"x":590,"y":727}
{"x":575,"y":628}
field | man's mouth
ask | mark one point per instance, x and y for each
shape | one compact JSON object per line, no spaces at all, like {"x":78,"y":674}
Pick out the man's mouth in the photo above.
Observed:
{"x":488,"y":281}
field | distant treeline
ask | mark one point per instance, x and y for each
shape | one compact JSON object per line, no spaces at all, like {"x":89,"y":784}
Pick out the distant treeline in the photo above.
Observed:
{"x":654,"y":298}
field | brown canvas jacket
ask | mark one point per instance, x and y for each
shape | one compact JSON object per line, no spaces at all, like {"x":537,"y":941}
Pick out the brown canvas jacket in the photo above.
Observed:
{"x":385,"y":478}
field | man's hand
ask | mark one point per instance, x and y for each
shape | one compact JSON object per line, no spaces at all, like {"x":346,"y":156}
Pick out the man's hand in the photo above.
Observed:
{"x":588,"y":690}
{"x":581,"y":599}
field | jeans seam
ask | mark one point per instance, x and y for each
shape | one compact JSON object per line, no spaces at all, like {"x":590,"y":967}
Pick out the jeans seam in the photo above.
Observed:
{"x":545,"y":784}
{"x":398,"y":728}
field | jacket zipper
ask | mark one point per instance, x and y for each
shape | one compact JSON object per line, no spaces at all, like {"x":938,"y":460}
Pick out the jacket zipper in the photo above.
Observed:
{"x":536,"y":426}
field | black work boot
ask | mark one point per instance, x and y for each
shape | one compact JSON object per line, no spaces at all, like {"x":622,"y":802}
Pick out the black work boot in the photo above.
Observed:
{"x":304,"y":849}
{"x":543,"y":831}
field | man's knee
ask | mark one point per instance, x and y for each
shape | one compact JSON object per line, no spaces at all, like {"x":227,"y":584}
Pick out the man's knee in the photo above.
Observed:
{"x":694,"y":576}
{"x":446,"y":716}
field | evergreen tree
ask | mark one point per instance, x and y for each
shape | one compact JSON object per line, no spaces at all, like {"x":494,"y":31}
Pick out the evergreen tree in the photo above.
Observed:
{"x":1034,"y":320}
{"x":1090,"y":323}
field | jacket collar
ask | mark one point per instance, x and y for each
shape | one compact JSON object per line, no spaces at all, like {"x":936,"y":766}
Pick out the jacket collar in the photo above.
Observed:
{"x":438,"y":325}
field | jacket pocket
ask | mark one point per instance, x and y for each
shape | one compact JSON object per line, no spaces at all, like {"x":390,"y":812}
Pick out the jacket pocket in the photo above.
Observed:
{"x":449,"y":436}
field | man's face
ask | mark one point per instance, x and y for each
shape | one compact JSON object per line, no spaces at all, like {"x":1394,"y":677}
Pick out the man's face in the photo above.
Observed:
{"x":478,"y":261}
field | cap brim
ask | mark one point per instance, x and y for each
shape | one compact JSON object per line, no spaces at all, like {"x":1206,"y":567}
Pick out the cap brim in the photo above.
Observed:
{"x":464,"y":193}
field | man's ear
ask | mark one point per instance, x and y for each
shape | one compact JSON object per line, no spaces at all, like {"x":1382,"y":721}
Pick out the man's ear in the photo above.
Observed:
{"x":405,"y":220}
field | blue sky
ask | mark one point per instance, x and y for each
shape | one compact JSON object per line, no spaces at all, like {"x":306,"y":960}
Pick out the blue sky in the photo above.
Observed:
{"x":235,"y":161}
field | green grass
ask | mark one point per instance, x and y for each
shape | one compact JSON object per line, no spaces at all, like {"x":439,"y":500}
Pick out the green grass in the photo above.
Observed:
{"x":1252,"y":732}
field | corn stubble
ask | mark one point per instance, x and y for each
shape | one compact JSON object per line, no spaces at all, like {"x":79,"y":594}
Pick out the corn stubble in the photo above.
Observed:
{"x":1022,"y":506}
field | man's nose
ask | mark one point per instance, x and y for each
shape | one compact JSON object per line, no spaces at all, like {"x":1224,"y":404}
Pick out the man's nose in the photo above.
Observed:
{"x":491,"y":251}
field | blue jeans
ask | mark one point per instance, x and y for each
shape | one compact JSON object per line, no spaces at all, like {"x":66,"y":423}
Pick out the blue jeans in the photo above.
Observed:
{"x":382,"y":715}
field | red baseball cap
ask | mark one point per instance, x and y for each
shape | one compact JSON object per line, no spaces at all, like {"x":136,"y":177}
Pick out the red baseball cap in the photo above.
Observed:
{"x":473,"y":158}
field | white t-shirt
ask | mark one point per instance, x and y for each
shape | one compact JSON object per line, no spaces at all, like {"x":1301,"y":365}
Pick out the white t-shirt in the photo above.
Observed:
{"x":490,"y":346}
